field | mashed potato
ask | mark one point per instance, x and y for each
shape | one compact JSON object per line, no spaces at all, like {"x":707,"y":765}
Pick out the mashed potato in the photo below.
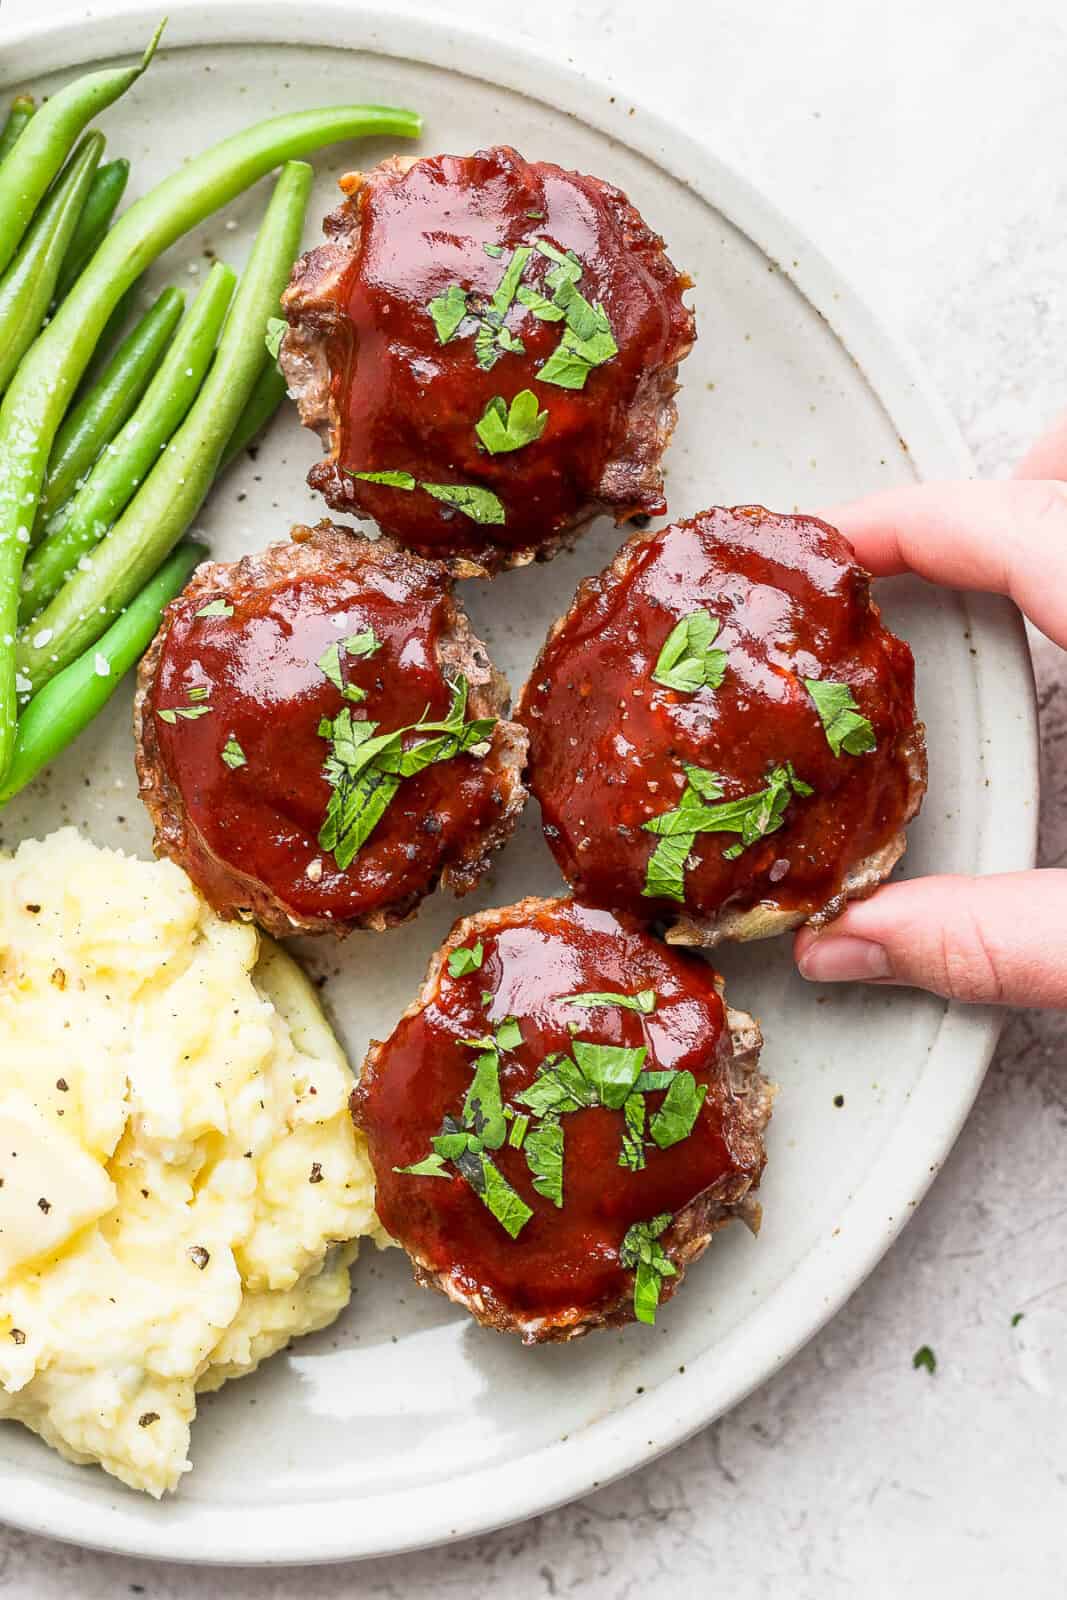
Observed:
{"x":181,"y":1187}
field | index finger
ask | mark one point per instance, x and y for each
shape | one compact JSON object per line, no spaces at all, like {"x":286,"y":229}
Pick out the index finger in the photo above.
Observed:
{"x":1009,"y":538}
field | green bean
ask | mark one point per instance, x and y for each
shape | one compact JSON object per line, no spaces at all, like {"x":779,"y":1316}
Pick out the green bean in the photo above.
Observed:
{"x":26,"y":287}
{"x":134,"y":451}
{"x":108,"y":187}
{"x":263,"y":402}
{"x":46,"y":141}
{"x":55,"y":717}
{"x":163,"y":508}
{"x":50,"y":371}
{"x":22,"y":109}
{"x":98,"y":416}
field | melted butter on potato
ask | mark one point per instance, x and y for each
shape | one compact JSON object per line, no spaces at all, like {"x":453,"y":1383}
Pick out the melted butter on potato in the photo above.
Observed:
{"x":182,"y":1188}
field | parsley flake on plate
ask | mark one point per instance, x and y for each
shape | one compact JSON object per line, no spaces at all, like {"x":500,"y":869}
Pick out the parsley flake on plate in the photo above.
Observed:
{"x":845,"y":728}
{"x":924,"y":1357}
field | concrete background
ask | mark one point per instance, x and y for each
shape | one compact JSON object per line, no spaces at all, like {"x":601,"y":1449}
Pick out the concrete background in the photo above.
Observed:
{"x":922,"y":143}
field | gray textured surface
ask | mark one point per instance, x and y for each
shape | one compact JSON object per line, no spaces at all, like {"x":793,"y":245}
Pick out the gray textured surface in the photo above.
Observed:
{"x":922,"y":145}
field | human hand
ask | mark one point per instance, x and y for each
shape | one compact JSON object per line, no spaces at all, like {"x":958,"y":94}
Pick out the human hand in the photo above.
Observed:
{"x":1001,"y":938}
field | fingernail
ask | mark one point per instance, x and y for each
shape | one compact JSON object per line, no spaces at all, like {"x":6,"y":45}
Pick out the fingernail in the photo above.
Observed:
{"x":842,"y":958}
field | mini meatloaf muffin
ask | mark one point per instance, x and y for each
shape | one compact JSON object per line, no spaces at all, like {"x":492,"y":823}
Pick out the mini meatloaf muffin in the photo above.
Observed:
{"x":722,"y":733}
{"x":488,"y":348}
{"x":562,"y":1119}
{"x":320,"y":738}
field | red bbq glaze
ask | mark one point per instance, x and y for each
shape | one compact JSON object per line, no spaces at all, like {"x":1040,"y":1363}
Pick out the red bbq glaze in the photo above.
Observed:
{"x":607,"y":744}
{"x":405,"y":401}
{"x":258,"y":824}
{"x":565,"y":1261}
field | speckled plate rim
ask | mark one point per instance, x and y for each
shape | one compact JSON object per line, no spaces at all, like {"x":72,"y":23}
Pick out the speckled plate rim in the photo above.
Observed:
{"x":351,"y":1526}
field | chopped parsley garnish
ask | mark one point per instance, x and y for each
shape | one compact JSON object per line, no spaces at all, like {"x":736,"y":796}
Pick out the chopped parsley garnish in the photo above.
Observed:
{"x":484,"y":1127}
{"x":565,"y":367}
{"x":676,"y":1117}
{"x":1017,"y":1318}
{"x":483,"y":1109}
{"x":754,"y":816}
{"x":924,"y":1357}
{"x":364,"y":768}
{"x":390,"y":480}
{"x":559,"y":1086}
{"x":642,"y":1254}
{"x":536,"y":216}
{"x":687,"y":661}
{"x":598,"y":1074}
{"x":233,"y":755}
{"x":508,"y":341}
{"x":588,"y":340}
{"x":574,"y":357}
{"x":431,"y":1166}
{"x":462,"y":961}
{"x":215,"y":608}
{"x":363,"y":644}
{"x":496,"y":1193}
{"x":543,"y":1150}
{"x":502,"y":428}
{"x":643,"y":1001}
{"x":197,"y":694}
{"x":545,"y":309}
{"x":491,"y":337}
{"x":277,"y":328}
{"x":189,"y":713}
{"x":632,"y":1151}
{"x":509,"y":1034}
{"x":329,"y":663}
{"x":567,"y":268}
{"x":610,"y":1069}
{"x":517,"y":1131}
{"x":843,"y":725}
{"x":504,"y":293}
{"x":481,"y":505}
{"x":649,"y":1082}
{"x":448,"y":311}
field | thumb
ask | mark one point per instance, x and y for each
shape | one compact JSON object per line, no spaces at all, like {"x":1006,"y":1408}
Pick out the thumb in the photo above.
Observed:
{"x":998,"y":939}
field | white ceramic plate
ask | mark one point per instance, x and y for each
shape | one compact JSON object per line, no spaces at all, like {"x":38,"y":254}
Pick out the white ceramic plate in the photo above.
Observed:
{"x":406,"y":1424}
